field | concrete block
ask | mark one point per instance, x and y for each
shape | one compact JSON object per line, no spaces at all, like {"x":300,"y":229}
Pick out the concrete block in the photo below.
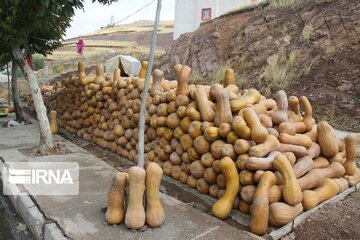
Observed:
{"x":34,"y":220}
{"x":52,"y":232}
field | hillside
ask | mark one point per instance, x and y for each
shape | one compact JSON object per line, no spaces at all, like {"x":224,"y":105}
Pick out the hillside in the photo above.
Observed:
{"x":126,"y":39}
{"x":308,"y":48}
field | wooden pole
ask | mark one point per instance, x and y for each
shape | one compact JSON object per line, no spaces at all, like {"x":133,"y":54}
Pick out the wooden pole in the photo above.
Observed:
{"x":145,"y":92}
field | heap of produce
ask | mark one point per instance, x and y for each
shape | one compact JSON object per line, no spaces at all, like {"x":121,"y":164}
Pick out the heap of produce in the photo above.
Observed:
{"x":267,"y":157}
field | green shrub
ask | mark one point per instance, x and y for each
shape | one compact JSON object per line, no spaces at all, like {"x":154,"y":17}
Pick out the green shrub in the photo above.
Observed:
{"x":38,"y":62}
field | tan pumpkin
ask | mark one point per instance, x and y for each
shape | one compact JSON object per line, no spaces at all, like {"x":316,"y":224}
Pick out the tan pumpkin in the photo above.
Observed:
{"x":281,"y":213}
{"x":351,"y":153}
{"x":182,"y":79}
{"x":53,"y":122}
{"x":242,"y":146}
{"x":207,"y":113}
{"x":251,"y":97}
{"x":135,"y":213}
{"x":211,"y":134}
{"x":282,"y":103}
{"x":222,"y":208}
{"x":260,"y":206}
{"x":261,"y":150}
{"x":327,"y":139}
{"x":354,"y":179}
{"x":216,"y":148}
{"x":195,"y":129}
{"x":241,"y":128}
{"x":258,"y":133}
{"x":297,"y":139}
{"x":155,"y":214}
{"x":320,"y":162}
{"x":312,"y":198}
{"x":116,"y":199}
{"x":291,"y":192}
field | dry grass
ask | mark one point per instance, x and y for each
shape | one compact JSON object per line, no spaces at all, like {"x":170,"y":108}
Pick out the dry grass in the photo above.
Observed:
{"x":139,"y":26}
{"x":214,"y":77}
{"x":22,"y":87}
{"x":282,"y":71}
{"x":289,"y":4}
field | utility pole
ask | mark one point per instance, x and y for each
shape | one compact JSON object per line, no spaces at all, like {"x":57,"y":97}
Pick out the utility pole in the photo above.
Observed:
{"x":146,"y":87}
{"x":9,"y":88}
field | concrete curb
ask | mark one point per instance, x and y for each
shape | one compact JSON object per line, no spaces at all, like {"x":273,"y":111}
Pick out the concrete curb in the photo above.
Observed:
{"x":41,"y":228}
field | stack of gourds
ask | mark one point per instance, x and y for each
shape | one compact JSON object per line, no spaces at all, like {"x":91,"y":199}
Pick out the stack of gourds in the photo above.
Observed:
{"x":266,"y":157}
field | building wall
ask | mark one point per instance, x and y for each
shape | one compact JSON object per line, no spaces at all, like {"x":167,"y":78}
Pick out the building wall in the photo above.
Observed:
{"x":188,"y":12}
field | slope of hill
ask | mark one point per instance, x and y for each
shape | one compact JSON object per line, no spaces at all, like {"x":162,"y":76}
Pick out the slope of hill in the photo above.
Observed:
{"x":127,"y":39}
{"x":309,"y":48}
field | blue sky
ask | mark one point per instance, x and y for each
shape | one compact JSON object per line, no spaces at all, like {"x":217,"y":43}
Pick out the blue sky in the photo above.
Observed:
{"x":95,"y":15}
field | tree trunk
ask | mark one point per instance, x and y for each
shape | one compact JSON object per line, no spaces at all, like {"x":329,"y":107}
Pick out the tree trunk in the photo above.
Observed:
{"x":46,"y":140}
{"x":15,"y":93}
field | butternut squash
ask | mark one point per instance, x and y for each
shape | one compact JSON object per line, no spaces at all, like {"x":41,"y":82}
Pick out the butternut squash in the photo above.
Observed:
{"x":314,"y":151}
{"x":207,"y":113}
{"x":312,"y":198}
{"x":299,"y":151}
{"x":201,"y":145}
{"x":291,"y":192}
{"x":223,"y":112}
{"x":302,"y":166}
{"x":282,"y":103}
{"x":195,"y":129}
{"x":257,"y":163}
{"x":155,"y":214}
{"x":327,"y":140}
{"x":307,"y":118}
{"x":216,"y":148}
{"x":261,"y":150}
{"x":297,"y":139}
{"x":242,"y":146}
{"x":224,"y":129}
{"x":135,"y":213}
{"x":260,"y":206}
{"x":211,"y":134}
{"x":265,"y":120}
{"x":320,"y":162}
{"x":116,"y":199}
{"x":251,"y":97}
{"x":292,"y":128}
{"x":342,"y":183}
{"x":294,"y":106}
{"x":156,"y":85}
{"x":247,"y":193}
{"x":246,"y":177}
{"x":222,"y":208}
{"x":244,"y":207}
{"x":351,"y":154}
{"x":53,"y":122}
{"x":143,"y":69}
{"x":281,"y":213}
{"x":229,"y":77}
{"x":258,"y":133}
{"x":228,"y":151}
{"x":354,"y":179}
{"x":182,"y":79}
{"x":313,"y":134}
{"x":241,"y":128}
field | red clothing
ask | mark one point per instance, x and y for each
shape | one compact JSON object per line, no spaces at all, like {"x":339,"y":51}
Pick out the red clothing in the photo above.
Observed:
{"x":80,"y":46}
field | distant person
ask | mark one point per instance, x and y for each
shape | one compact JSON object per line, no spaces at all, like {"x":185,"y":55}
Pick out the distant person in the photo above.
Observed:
{"x":80,"y":46}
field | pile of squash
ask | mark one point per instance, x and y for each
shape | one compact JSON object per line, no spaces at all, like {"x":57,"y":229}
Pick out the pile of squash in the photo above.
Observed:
{"x":266,"y":157}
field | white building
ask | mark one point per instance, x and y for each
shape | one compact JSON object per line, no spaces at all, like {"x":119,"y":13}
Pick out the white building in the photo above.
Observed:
{"x":189,"y":14}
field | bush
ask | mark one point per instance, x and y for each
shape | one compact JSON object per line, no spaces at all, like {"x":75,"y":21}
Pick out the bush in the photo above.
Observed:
{"x":38,"y":62}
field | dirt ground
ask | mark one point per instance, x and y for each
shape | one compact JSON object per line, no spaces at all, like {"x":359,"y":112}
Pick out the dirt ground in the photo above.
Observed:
{"x":340,"y":220}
